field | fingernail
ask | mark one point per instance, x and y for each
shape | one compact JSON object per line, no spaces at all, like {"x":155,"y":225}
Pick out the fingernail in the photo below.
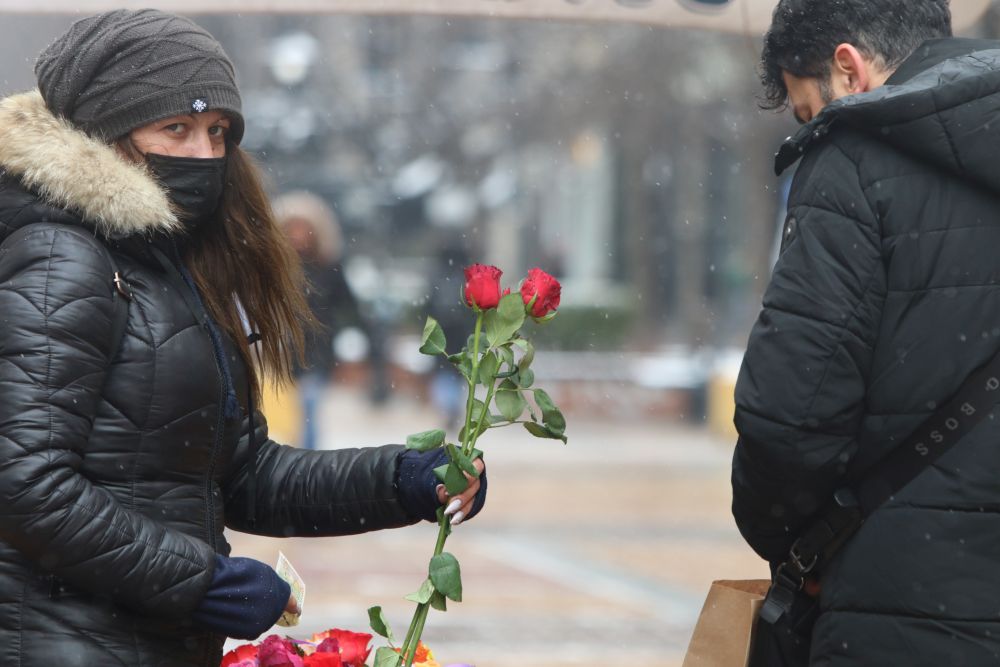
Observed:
{"x":438,"y":489}
{"x":457,"y":519}
{"x":453,"y":507}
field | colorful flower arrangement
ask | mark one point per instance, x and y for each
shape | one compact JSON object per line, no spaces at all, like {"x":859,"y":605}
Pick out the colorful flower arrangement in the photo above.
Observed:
{"x":333,"y":648}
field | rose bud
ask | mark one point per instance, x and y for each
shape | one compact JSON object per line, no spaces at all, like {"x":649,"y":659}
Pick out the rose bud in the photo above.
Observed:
{"x":482,"y":286}
{"x":544,"y":289}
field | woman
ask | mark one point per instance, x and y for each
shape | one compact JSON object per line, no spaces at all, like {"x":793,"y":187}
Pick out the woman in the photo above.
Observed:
{"x":124,"y":194}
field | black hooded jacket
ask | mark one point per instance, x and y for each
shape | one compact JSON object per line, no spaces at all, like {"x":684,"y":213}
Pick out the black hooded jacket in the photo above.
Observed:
{"x":118,"y":470}
{"x":886,"y":296}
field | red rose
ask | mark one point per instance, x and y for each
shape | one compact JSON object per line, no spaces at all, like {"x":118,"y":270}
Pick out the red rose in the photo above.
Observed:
{"x":543,"y":286}
{"x":323,"y":660}
{"x":240,"y":654}
{"x":482,"y":286}
{"x":353,"y":646}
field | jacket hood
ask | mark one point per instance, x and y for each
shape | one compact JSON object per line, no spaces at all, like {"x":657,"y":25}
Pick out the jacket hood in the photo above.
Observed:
{"x":69,"y":170}
{"x":939,"y":107}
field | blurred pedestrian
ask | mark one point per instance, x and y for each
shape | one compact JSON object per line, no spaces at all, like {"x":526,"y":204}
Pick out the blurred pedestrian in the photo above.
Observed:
{"x":137,"y":245}
{"x":314,"y":232}
{"x":884,"y":300}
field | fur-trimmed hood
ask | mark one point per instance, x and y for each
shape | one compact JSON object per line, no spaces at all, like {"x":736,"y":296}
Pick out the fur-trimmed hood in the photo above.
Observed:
{"x":69,"y":170}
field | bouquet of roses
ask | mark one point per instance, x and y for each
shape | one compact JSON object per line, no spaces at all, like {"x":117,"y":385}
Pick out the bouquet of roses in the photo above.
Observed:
{"x":496,"y":365}
{"x":332,"y":648}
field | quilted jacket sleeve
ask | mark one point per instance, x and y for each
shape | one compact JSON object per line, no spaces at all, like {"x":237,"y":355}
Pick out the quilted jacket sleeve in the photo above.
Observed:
{"x":314,"y":493}
{"x":800,"y":393}
{"x":55,"y":348}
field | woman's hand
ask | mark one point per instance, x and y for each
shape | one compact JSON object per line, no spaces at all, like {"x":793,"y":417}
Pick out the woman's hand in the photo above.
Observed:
{"x":293,"y":606}
{"x":459,"y":507}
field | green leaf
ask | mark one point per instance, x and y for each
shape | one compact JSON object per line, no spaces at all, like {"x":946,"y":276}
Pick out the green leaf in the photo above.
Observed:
{"x":464,"y":367}
{"x":424,"y":594}
{"x":509,"y":401}
{"x":544,"y":401}
{"x":441,"y":472}
{"x":555,"y":421}
{"x":386,"y":657}
{"x":540,"y":431}
{"x":504,"y":322}
{"x":551,"y":415}
{"x":526,"y":378}
{"x":528,"y":307}
{"x":454,"y":480}
{"x":463,"y":461}
{"x":378,"y":623}
{"x":439,"y":601}
{"x":446,"y":576}
{"x":506,"y":355}
{"x":527,"y":358}
{"x":433,"y":341}
{"x":488,"y":367}
{"x":426,"y":440}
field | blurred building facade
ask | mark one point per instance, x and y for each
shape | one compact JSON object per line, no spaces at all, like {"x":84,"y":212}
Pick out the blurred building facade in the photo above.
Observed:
{"x":630,"y":161}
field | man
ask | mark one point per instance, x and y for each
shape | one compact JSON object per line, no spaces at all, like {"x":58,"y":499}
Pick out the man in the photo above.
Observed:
{"x":885,"y":298}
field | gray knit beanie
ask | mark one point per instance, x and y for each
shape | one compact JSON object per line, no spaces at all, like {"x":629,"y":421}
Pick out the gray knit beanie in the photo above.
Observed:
{"x":113,"y":72}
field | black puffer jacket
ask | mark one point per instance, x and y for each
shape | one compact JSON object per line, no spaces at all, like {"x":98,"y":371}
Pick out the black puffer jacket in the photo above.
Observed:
{"x":885,"y":297}
{"x":117,"y":470}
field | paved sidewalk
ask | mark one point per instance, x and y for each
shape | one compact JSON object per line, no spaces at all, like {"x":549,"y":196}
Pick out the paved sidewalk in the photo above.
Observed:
{"x":599,"y":552}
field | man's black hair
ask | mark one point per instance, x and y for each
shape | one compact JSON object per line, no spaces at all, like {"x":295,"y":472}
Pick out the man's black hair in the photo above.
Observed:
{"x":805,"y":33}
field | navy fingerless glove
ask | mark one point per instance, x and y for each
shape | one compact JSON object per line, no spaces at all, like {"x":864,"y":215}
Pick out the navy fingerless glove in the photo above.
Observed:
{"x":417,"y":484}
{"x":246,"y":598}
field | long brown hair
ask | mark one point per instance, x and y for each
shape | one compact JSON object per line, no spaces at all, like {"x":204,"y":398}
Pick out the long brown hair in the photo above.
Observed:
{"x":248,"y":274}
{"x":244,"y":260}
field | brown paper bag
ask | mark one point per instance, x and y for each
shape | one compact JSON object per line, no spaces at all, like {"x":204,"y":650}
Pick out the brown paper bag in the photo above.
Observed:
{"x":724,"y":631}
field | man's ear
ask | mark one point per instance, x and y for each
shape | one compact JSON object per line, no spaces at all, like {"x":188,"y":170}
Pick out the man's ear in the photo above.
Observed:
{"x":850,"y":72}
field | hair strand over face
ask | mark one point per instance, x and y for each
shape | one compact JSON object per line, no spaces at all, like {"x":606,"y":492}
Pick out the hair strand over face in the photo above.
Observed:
{"x":243,"y":259}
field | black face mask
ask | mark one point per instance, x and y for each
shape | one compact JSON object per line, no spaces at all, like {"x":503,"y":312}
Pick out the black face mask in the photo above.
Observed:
{"x":194,"y":185}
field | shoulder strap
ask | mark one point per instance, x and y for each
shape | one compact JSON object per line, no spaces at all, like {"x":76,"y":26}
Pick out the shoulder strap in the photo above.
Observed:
{"x":938,"y":434}
{"x":972,"y":403}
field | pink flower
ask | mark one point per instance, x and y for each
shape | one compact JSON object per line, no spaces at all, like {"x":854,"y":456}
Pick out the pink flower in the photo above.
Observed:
{"x":329,"y":645}
{"x":277,"y":652}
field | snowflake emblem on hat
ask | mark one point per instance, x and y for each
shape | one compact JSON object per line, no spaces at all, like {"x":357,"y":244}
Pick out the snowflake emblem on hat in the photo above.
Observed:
{"x":199,"y":105}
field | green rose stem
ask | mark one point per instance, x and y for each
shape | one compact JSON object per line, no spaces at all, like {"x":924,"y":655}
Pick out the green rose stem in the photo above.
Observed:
{"x":472,"y":384}
{"x":416,"y":629}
